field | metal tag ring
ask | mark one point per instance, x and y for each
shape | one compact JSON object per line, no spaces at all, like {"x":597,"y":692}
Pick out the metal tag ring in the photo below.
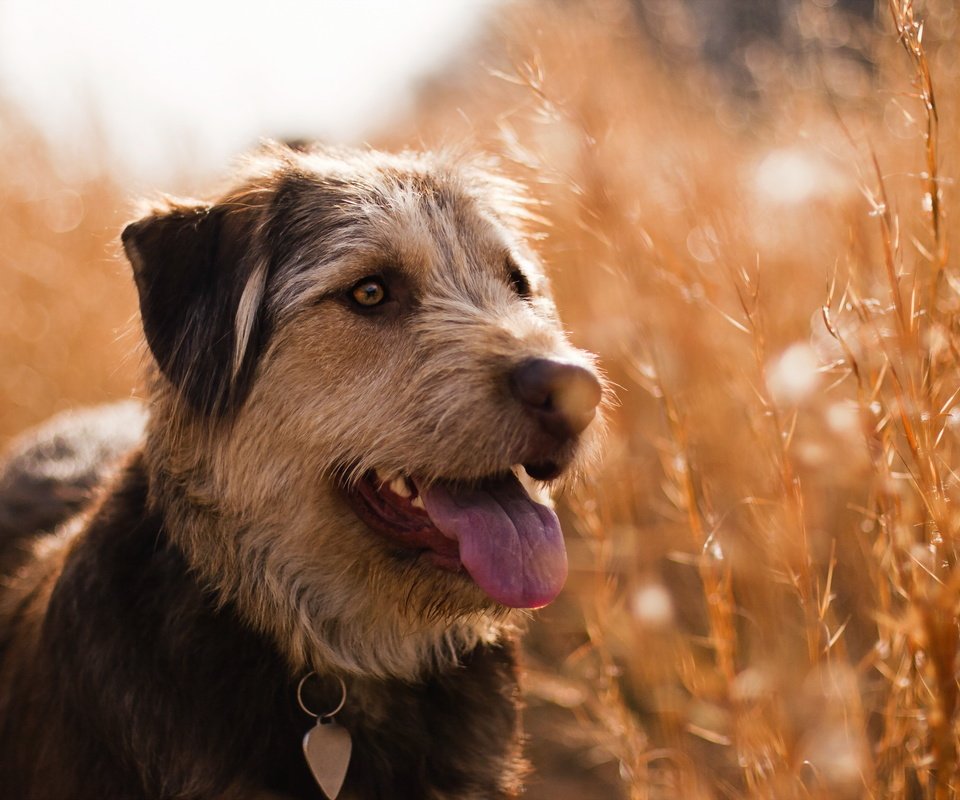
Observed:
{"x":343,"y":697}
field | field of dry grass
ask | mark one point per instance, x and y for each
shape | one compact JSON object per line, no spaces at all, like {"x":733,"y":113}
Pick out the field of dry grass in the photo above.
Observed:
{"x":765,"y":583}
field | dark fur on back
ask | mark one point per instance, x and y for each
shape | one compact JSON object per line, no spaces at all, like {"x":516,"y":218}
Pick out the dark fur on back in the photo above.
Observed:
{"x":50,"y":475}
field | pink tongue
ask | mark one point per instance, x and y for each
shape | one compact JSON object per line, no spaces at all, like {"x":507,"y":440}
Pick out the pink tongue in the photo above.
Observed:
{"x":511,"y":546}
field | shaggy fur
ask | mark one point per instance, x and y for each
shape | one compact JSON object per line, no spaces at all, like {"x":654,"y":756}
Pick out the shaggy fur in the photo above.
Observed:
{"x":150,"y":647}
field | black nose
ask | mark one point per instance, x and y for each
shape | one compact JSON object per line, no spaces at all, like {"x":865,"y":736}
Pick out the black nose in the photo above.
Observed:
{"x":563,"y":396}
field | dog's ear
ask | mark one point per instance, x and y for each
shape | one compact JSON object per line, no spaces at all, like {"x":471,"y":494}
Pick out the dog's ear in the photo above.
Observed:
{"x":200,"y":273}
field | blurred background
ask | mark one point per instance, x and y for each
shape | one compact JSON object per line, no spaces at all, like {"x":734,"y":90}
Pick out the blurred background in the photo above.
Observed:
{"x":747,"y":213}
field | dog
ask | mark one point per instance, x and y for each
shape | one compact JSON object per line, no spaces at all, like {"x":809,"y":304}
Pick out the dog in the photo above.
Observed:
{"x":332,"y":508}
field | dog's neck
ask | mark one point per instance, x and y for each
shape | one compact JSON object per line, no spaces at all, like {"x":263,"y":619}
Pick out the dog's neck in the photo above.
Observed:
{"x":321,"y":613}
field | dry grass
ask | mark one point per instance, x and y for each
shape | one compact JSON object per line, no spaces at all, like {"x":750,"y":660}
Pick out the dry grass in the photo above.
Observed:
{"x":765,"y":588}
{"x":66,"y":301}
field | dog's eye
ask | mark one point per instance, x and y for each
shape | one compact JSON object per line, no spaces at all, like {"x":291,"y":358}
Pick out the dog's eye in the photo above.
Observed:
{"x":520,"y":283}
{"x":369,"y":292}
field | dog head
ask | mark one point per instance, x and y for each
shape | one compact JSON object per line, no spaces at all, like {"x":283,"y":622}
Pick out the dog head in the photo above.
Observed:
{"x":361,"y":377}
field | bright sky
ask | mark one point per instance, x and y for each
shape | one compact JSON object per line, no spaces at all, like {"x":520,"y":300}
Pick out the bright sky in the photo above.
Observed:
{"x":172,"y":83}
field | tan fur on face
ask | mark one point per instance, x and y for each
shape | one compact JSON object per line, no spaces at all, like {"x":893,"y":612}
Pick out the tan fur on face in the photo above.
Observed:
{"x":336,"y":393}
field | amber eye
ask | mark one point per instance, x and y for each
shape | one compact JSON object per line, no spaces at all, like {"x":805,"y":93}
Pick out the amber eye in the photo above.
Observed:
{"x":369,"y":292}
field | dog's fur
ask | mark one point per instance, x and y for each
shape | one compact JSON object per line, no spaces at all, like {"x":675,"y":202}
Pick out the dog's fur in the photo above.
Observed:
{"x":151,"y":645}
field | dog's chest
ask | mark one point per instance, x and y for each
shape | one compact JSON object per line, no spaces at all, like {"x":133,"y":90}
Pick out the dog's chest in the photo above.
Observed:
{"x":158,"y":691}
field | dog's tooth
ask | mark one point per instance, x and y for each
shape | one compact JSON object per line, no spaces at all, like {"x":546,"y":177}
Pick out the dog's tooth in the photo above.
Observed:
{"x":399,"y":486}
{"x":417,"y":502}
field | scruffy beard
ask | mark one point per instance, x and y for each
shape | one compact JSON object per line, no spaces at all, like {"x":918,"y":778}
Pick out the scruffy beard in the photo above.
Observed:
{"x":360,"y":610}
{"x":394,"y":617}
{"x":424,"y":632}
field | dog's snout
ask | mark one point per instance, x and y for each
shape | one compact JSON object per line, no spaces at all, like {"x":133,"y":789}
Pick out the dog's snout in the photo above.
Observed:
{"x":563,"y":396}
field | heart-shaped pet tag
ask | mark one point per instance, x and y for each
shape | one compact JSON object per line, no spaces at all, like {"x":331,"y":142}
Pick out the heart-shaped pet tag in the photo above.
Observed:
{"x":327,"y":747}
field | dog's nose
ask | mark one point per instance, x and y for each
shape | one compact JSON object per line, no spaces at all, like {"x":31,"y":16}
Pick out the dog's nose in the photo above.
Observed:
{"x":563,"y":396}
